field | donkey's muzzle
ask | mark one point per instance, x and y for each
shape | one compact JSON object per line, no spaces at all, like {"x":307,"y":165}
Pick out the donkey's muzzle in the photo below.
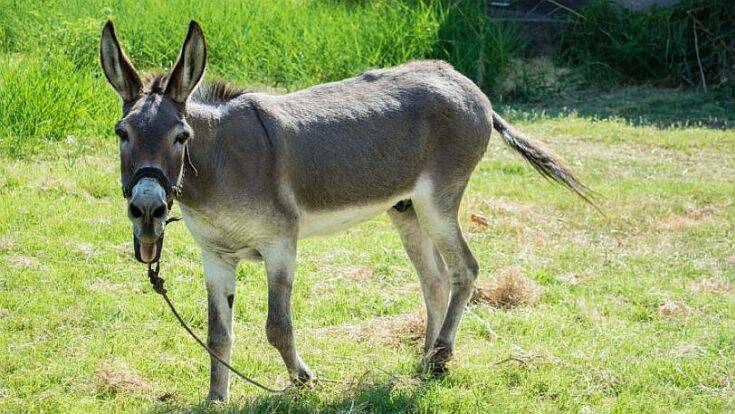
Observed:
{"x":147,"y":252}
{"x":148,"y":209}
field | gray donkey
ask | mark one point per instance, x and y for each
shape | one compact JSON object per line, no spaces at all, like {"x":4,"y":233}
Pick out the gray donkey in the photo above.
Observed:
{"x":254,"y":173}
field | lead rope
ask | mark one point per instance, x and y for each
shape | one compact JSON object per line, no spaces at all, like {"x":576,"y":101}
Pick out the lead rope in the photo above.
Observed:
{"x":157,"y":283}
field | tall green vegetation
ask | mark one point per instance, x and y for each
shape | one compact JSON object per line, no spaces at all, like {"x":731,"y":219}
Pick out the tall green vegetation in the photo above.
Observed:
{"x":476,"y":46}
{"x":51,"y":85}
{"x":674,"y":45}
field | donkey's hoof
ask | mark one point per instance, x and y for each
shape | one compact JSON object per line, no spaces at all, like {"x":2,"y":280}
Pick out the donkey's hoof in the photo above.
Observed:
{"x":305,"y":378}
{"x":217,"y":398}
{"x":435,"y":362}
{"x":433,"y":369}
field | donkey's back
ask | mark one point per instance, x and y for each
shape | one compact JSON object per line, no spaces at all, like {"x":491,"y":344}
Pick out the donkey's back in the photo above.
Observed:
{"x":367,"y":140}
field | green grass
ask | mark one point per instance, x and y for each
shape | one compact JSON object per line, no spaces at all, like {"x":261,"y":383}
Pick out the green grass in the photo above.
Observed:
{"x":75,"y":308}
{"x":74,"y":302}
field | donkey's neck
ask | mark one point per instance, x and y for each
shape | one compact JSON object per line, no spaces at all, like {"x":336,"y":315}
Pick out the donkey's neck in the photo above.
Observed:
{"x":227,"y":150}
{"x":205,"y":122}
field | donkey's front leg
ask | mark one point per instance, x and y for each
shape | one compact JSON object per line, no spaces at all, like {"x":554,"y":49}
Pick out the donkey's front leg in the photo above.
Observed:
{"x":220,"y":280}
{"x":280,"y":261}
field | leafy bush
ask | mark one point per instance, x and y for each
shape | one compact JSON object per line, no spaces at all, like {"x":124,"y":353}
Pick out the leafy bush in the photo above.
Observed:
{"x":614,"y":44}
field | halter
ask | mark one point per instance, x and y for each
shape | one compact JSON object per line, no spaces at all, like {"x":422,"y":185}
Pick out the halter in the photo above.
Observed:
{"x":173,"y":191}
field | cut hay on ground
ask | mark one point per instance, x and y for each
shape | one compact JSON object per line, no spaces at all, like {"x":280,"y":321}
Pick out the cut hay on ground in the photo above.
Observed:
{"x":120,"y":381}
{"x":712,"y":285}
{"x":674,"y":309}
{"x":509,"y":289}
{"x":394,"y":330}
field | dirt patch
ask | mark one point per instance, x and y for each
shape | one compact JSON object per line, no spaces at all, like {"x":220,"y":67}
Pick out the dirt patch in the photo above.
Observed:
{"x":358,"y":274}
{"x":479,"y":220}
{"x":167,"y":396}
{"x":674,"y":309}
{"x":509,"y":289}
{"x":120,"y":381}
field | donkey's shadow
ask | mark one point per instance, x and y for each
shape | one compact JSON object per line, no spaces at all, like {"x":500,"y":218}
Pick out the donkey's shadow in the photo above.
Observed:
{"x":385,"y":395}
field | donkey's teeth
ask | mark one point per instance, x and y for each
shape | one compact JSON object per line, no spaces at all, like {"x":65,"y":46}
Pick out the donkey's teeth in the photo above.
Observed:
{"x":147,"y":251}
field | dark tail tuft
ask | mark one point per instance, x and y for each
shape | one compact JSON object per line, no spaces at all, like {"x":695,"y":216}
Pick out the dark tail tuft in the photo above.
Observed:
{"x":548,"y":164}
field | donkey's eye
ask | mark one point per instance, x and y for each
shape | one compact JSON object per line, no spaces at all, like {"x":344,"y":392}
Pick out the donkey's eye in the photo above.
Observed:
{"x":122,"y":134}
{"x":182,"y":137}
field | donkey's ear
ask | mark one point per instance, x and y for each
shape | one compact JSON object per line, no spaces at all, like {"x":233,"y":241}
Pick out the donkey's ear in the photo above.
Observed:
{"x":117,"y":67}
{"x":189,"y":68}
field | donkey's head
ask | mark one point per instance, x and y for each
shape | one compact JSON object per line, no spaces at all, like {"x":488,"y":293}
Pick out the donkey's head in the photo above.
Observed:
{"x":153,"y":134}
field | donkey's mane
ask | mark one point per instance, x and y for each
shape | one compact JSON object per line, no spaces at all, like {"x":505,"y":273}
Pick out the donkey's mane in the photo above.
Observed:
{"x":211,"y":92}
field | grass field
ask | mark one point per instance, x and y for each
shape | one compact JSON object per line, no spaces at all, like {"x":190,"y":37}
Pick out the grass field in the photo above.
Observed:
{"x":632,"y":312}
{"x":636,"y":311}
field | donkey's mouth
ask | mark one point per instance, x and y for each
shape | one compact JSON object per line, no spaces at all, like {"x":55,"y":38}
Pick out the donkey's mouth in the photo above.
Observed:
{"x":147,"y":252}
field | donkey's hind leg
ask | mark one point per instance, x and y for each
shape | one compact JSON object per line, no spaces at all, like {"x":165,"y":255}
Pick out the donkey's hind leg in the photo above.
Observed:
{"x":430,"y":267}
{"x":438,"y":217}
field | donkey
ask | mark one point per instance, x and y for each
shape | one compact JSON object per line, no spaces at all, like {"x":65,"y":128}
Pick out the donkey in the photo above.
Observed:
{"x":254,"y":173}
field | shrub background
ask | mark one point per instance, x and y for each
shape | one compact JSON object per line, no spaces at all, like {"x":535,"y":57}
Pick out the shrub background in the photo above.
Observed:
{"x":614,"y":44}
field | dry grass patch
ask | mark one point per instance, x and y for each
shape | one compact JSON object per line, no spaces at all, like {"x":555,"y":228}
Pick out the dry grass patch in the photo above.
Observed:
{"x":20,"y":262}
{"x":509,"y":289}
{"x":569,"y":278}
{"x":395,"y":330}
{"x":688,"y":350}
{"x":6,"y":244}
{"x":711,"y":285}
{"x":676,"y":222}
{"x":355,"y":274}
{"x":85,"y":249}
{"x":103,"y":285}
{"x":674,"y":309}
{"x":692,"y":216}
{"x":120,"y":381}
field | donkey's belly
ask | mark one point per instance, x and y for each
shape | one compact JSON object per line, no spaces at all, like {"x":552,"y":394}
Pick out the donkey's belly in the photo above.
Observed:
{"x":320,"y":223}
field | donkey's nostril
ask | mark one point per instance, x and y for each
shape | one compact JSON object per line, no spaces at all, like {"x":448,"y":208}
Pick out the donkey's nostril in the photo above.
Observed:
{"x":135,"y":212}
{"x":160,"y":212}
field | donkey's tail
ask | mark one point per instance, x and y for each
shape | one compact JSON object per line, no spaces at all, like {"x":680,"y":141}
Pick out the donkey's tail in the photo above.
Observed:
{"x":548,"y":164}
